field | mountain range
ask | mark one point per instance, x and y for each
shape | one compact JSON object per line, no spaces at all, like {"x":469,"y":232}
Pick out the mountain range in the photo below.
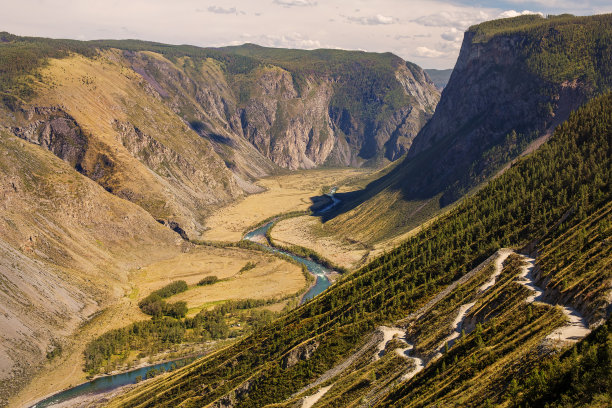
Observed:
{"x":114,"y":154}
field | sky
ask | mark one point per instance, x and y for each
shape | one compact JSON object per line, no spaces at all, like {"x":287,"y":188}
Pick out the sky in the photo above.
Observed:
{"x":428,"y":33}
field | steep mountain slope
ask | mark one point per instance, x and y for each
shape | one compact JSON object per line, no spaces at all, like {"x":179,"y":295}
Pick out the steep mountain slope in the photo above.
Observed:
{"x":515,"y":80}
{"x":180,"y":130}
{"x":66,"y":247}
{"x":359,"y":108}
{"x":539,"y":204}
{"x":105,"y":121}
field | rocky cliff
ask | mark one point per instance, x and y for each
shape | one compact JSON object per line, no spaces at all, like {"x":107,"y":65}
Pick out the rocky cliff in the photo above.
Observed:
{"x":183,"y":130}
{"x":515,"y":80}
{"x":299,"y":109}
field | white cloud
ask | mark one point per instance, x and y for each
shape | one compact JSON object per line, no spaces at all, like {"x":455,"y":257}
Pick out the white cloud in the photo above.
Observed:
{"x":512,"y":13}
{"x":401,"y":37}
{"x":222,"y":10}
{"x":427,"y":52}
{"x":452,"y":35}
{"x":457,"y":19}
{"x":298,"y":3}
{"x":377,"y":19}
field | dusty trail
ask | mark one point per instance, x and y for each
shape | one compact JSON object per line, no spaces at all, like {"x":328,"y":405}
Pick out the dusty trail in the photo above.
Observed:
{"x":388,"y":334}
{"x":395,"y":332}
{"x":444,"y":292}
{"x":464,"y":309}
{"x":573,"y":331}
{"x":576,"y":328}
{"x":312,"y":399}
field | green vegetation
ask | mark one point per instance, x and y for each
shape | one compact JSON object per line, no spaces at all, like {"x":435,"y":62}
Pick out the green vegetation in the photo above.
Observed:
{"x":155,"y":305}
{"x":248,"y":266}
{"x":559,"y":48}
{"x":575,"y":257}
{"x":171,"y":289}
{"x":568,"y":177}
{"x":113,"y":348}
{"x":479,"y":363}
{"x":208,"y":280}
{"x":22,"y":55}
{"x":581,"y":376}
{"x":146,"y":338}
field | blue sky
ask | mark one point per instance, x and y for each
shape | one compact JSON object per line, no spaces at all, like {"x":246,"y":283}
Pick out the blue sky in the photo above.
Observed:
{"x":426,"y":32}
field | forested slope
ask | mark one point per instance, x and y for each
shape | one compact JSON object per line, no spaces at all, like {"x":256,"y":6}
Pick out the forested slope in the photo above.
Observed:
{"x":515,"y":80}
{"x":538,"y":203}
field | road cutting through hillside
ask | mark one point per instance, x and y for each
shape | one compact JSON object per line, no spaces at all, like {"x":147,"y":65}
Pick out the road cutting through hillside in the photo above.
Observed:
{"x":576,"y":328}
{"x":464,"y":309}
{"x":398,"y":333}
{"x":312,"y":399}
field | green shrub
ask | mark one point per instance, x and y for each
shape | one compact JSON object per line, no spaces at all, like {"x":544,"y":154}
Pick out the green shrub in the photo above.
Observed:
{"x":208,"y":280}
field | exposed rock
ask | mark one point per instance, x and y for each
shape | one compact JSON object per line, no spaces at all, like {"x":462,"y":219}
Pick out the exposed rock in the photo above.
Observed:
{"x":55,"y":130}
{"x":294,"y":128}
{"x":491,"y":94}
{"x":299,"y":353}
{"x":232,"y":400}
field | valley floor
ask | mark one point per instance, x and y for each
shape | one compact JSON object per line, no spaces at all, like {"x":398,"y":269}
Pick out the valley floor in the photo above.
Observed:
{"x":283,"y":194}
{"x":271,"y":278}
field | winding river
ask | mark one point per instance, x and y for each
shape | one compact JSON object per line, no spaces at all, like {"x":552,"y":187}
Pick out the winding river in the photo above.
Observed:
{"x":108,"y":383}
{"x":111,"y":382}
{"x":319,"y":271}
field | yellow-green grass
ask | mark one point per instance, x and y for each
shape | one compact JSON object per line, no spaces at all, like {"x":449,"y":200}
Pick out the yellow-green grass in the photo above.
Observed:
{"x":284,"y":193}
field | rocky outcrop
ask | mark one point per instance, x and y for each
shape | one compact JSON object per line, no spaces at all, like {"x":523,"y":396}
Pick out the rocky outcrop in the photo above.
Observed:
{"x":276,"y":113}
{"x":299,"y":353}
{"x":232,"y":400}
{"x":493,"y":106}
{"x":55,"y":130}
{"x":293,"y":131}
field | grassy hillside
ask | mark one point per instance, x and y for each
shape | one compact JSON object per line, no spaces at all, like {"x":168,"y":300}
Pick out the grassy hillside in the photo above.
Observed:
{"x":229,"y":94}
{"x":103,"y":119}
{"x":66,"y":248}
{"x":515,"y":80}
{"x":182,"y":130}
{"x":566,"y":180}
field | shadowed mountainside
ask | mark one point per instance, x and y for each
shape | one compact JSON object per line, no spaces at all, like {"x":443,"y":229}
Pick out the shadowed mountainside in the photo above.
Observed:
{"x":515,"y":80}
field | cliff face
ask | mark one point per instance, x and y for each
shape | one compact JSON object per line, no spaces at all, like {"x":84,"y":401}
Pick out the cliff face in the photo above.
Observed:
{"x":293,"y":115}
{"x":515,"y":80}
{"x":492,"y":102}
